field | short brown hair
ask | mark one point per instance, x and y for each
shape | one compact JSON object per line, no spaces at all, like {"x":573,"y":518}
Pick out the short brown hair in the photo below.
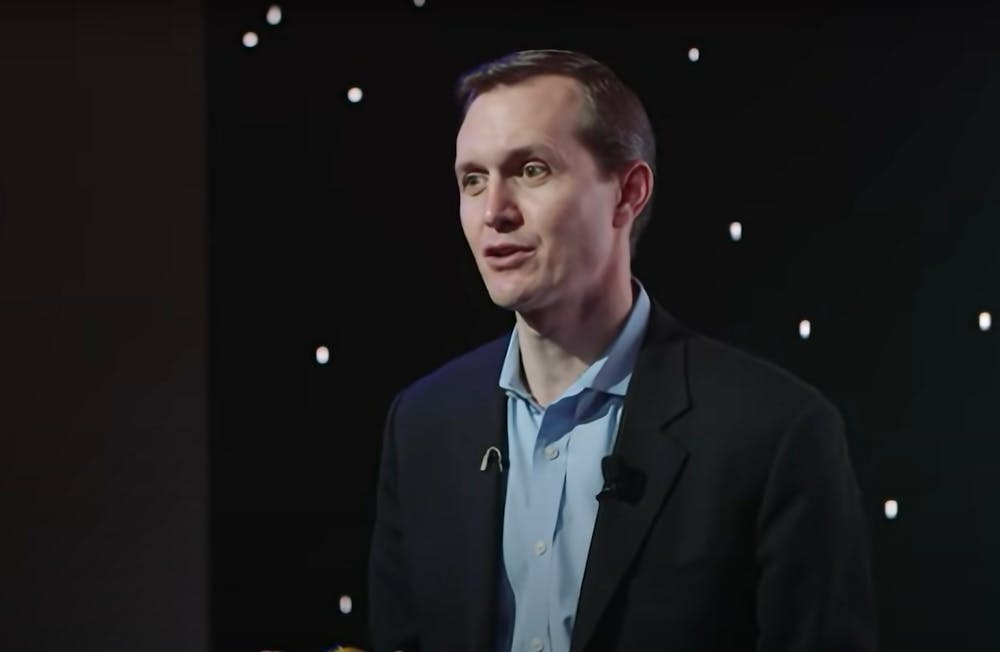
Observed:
{"x":614,"y":128}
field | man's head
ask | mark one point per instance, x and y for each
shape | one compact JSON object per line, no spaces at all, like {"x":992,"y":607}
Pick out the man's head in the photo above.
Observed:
{"x":555,"y":156}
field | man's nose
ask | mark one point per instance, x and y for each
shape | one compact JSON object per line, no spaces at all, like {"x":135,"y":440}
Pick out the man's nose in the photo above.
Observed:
{"x":502,"y":212}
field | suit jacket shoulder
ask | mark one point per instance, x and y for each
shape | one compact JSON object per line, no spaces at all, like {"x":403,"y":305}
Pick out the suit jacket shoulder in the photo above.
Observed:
{"x":747,"y":383}
{"x":471,"y":374}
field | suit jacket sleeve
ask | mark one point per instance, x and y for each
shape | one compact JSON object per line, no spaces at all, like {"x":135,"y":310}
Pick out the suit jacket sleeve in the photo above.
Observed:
{"x":814,"y":590}
{"x":392,"y":619}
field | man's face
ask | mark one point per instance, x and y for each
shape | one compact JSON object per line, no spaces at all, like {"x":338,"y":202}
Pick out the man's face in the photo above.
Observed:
{"x":535,"y":208}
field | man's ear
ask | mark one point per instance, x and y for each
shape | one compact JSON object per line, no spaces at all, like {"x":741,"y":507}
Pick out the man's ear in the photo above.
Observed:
{"x":636,"y":181}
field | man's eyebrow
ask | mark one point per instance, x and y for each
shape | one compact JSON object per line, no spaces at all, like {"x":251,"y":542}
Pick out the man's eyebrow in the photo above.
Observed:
{"x":519,"y":153}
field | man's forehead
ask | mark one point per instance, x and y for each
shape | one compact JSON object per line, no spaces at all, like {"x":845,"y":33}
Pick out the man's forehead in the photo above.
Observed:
{"x":521,"y":115}
{"x":542,"y":94}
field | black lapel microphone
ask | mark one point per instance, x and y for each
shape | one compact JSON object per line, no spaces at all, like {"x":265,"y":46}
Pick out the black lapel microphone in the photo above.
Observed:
{"x":621,"y":481}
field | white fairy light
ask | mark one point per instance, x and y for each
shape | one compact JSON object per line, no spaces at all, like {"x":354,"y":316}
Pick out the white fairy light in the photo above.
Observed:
{"x":273,"y":15}
{"x":985,"y":321}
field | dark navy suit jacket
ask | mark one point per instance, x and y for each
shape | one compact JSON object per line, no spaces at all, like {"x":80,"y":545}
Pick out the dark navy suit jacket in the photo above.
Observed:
{"x":748,"y":533}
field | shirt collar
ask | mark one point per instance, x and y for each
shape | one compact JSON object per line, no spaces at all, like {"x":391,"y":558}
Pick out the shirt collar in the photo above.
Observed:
{"x":610,"y":373}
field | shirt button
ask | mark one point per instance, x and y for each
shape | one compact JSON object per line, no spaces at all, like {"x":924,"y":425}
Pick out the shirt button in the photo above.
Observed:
{"x":537,"y":645}
{"x":540,"y":548}
{"x":551,"y":452}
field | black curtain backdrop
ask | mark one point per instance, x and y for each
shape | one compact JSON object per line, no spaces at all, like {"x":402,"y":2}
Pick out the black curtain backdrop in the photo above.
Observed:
{"x":103,"y":327}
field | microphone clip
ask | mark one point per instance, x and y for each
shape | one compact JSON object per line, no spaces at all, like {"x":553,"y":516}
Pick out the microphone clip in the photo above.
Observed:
{"x":621,"y":481}
{"x":488,"y":457}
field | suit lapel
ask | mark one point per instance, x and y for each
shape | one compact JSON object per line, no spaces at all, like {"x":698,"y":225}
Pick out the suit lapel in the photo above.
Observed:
{"x":657,"y":396}
{"x":482,"y":423}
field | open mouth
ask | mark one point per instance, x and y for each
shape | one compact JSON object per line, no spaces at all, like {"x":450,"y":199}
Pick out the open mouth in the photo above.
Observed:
{"x":507,"y":256}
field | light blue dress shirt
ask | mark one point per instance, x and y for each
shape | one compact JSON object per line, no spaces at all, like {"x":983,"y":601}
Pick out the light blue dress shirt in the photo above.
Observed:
{"x":553,"y":476}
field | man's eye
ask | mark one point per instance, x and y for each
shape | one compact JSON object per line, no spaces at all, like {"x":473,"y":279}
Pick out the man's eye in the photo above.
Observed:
{"x":470,"y":180}
{"x":533,"y":170}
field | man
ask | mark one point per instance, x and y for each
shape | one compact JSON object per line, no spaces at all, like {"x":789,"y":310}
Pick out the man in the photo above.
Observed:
{"x":602,"y":478}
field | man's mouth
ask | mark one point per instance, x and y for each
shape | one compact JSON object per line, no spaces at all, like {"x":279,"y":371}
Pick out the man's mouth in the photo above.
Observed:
{"x":504,"y":250}
{"x":507,"y":256}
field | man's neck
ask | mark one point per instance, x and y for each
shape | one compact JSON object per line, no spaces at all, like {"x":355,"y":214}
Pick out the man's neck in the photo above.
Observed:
{"x":559,"y":344}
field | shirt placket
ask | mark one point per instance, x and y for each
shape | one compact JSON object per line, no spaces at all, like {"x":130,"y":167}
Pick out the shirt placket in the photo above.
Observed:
{"x":548,"y":471}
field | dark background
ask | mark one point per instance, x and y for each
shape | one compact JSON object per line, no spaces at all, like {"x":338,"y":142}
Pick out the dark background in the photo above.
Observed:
{"x":103,"y":327}
{"x":184,"y":220}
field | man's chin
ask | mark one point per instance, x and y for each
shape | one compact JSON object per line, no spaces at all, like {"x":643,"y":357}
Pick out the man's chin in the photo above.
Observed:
{"x":504,"y":302}
{"x":507,"y":300}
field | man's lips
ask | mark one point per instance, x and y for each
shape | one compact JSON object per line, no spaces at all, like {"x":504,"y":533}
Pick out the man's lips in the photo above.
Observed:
{"x":503,"y":250}
{"x":506,"y":256}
